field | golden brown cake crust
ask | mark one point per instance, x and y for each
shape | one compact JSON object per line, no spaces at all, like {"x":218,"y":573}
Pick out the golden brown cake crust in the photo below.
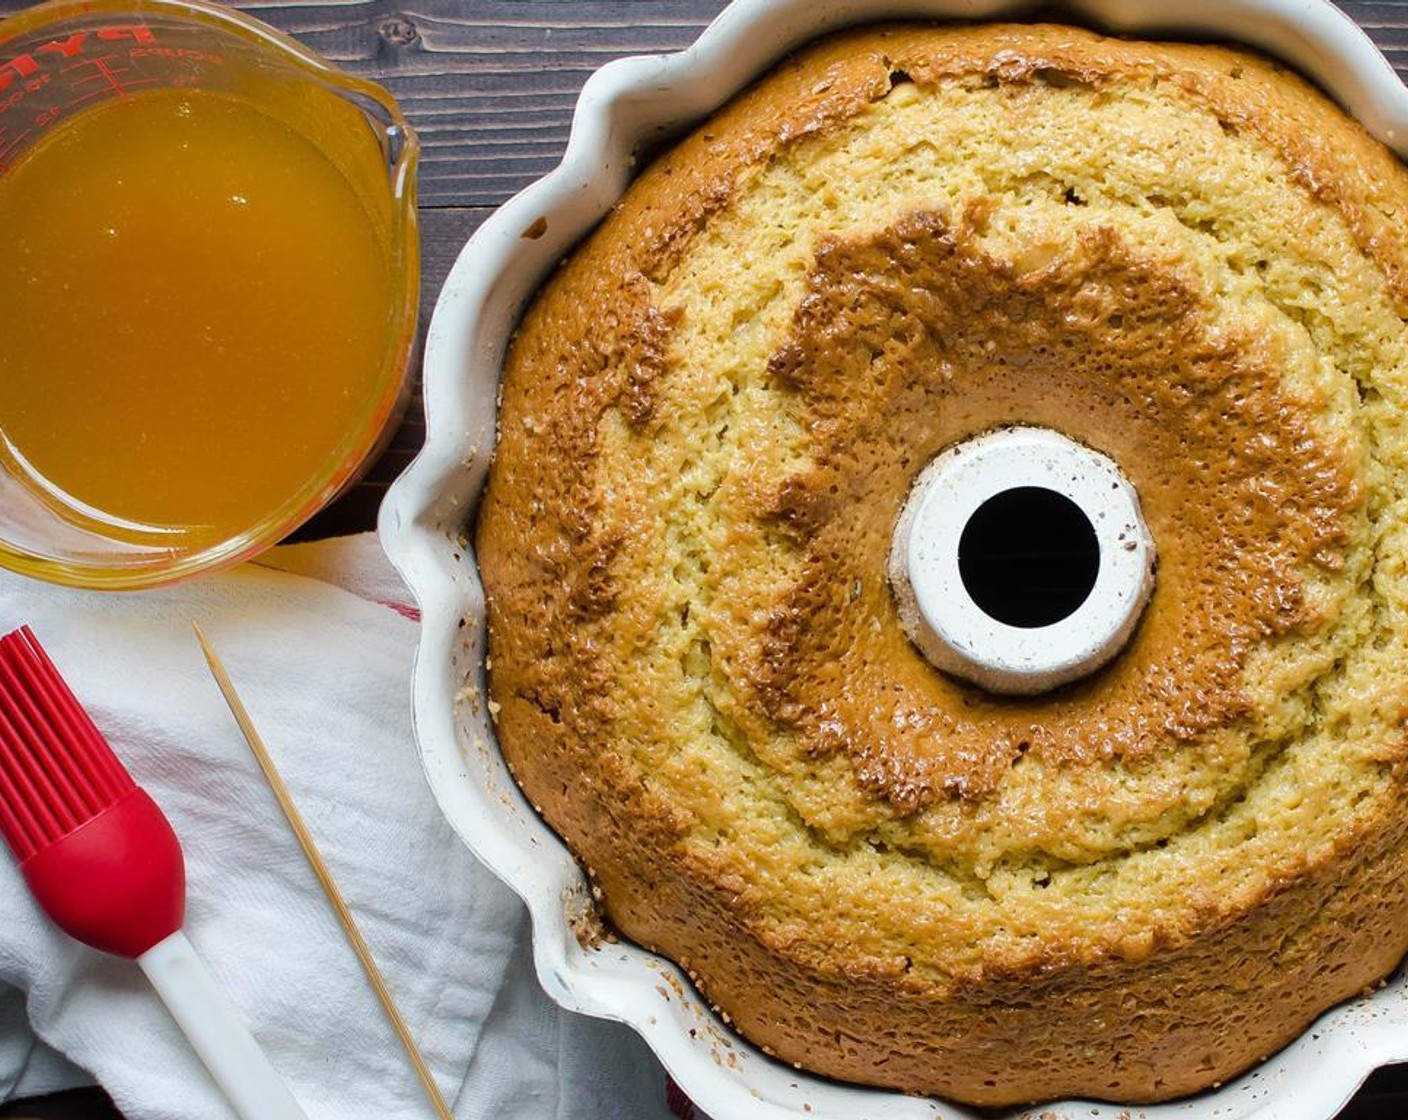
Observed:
{"x":1131,"y":889}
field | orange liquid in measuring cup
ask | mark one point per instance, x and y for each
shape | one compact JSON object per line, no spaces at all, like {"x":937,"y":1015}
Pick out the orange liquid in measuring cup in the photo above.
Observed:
{"x":194,"y":314}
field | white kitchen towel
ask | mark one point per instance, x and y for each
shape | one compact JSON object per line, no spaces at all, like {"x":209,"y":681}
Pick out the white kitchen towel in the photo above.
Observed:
{"x":322,"y":661}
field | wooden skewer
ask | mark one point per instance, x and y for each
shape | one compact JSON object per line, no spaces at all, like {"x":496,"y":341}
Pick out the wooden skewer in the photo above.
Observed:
{"x":320,"y":869}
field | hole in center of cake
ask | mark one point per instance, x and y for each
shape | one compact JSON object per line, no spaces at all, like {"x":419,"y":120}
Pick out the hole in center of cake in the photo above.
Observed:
{"x":1029,"y":557}
{"x":1020,"y":560}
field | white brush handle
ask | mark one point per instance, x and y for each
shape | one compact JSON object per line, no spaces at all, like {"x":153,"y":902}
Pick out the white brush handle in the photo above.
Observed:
{"x":204,"y":1012}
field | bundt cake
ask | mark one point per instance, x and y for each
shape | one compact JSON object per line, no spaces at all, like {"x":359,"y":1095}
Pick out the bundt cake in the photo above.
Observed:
{"x":1131,"y":887}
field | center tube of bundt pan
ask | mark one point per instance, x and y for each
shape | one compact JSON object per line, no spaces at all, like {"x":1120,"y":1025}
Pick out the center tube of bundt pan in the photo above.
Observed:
{"x":1021,"y":561}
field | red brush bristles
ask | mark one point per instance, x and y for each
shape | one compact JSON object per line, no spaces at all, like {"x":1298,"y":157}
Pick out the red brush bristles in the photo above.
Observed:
{"x":56,"y":769}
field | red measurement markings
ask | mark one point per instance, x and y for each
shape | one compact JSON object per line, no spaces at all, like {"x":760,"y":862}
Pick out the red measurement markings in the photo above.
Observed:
{"x":9,"y":144}
{"x":28,"y":65}
{"x":193,"y":62}
{"x":23,"y":67}
{"x":8,"y":100}
{"x":32,"y":69}
{"x":101,"y":77}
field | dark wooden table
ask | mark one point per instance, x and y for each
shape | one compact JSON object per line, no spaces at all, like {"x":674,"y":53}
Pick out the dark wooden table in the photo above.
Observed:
{"x":489,"y":85}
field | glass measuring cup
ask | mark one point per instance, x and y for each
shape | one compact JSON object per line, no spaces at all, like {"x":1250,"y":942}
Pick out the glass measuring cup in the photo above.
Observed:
{"x":60,"y":61}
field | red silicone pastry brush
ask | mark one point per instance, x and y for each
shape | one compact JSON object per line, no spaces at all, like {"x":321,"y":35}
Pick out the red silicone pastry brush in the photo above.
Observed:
{"x":104,"y":864}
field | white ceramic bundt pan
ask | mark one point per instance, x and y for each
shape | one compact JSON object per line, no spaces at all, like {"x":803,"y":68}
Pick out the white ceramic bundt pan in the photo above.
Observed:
{"x":624,"y":107}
